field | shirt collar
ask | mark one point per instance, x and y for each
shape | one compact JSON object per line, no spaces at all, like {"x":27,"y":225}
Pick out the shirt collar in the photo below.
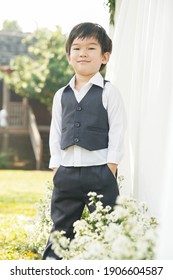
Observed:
{"x":97,"y":80}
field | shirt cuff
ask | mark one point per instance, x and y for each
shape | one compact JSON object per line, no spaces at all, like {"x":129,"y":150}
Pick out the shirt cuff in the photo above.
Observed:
{"x":55,"y":161}
{"x":114,"y":157}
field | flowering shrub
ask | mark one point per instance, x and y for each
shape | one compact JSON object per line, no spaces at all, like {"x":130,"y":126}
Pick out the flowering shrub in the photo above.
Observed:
{"x":126,"y":232}
{"x":39,"y":232}
{"x":14,"y":244}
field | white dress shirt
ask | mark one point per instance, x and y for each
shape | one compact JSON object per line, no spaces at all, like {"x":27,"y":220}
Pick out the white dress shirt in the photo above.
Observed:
{"x":76,"y":155}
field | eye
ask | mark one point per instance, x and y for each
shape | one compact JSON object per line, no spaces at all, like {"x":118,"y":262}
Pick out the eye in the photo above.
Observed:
{"x":76,"y":49}
{"x":91,"y":48}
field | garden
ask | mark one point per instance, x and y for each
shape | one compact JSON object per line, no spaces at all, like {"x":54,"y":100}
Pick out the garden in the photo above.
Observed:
{"x":127,"y":232}
{"x":20,"y":192}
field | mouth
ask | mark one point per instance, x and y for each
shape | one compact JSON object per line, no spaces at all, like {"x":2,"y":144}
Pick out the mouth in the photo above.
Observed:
{"x":83,"y":61}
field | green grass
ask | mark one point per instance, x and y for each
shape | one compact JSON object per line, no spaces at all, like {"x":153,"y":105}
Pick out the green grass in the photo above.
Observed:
{"x":20,"y":190}
{"x":19,"y":193}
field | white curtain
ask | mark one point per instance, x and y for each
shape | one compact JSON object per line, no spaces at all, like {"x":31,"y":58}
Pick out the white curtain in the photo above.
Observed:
{"x":141,"y":66}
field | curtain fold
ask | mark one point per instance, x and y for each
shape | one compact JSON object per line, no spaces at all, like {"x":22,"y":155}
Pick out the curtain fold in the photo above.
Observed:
{"x":141,"y":66}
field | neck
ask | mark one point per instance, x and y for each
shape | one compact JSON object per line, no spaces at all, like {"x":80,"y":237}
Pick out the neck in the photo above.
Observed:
{"x":80,"y":81}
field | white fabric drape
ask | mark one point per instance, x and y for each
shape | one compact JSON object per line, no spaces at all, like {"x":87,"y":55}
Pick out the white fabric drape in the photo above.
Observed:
{"x":141,"y":66}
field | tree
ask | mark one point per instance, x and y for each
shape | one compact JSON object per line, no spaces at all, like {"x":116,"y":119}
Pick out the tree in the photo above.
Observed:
{"x":45,"y":69}
{"x":11,"y":25}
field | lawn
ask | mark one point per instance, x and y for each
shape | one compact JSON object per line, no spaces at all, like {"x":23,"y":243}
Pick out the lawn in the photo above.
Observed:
{"x":19,"y":193}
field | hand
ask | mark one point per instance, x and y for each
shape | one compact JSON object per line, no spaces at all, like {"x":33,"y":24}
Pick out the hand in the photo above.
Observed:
{"x":112,"y":167}
{"x":55,"y":170}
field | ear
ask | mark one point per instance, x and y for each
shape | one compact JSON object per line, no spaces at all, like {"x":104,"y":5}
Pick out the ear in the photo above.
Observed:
{"x":105,"y":57}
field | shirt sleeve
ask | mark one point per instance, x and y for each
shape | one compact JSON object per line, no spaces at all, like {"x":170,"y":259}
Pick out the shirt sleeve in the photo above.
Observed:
{"x":117,"y":125}
{"x":55,"y":132}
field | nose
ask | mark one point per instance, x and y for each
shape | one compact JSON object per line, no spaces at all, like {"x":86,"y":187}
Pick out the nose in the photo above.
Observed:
{"x":83,"y":53}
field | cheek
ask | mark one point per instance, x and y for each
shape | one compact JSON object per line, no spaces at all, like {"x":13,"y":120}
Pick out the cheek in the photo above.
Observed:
{"x":98,"y":60}
{"x":71,"y":59}
{"x":72,"y":56}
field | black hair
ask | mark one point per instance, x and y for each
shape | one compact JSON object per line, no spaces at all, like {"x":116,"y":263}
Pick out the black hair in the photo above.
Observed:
{"x":88,"y":30}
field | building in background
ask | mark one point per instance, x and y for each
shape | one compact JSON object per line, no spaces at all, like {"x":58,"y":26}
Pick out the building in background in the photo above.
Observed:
{"x":25,"y":134}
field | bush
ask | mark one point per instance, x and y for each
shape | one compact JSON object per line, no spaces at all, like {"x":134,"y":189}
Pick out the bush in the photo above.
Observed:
{"x":39,"y":233}
{"x":14,"y":243}
{"x":126,"y":233}
{"x":4,"y":160}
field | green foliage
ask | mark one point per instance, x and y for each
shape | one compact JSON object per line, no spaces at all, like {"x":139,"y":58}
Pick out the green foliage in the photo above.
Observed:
{"x":13,"y":238}
{"x":39,"y":233}
{"x":5,"y":158}
{"x":19,"y":193}
{"x":44,"y":70}
{"x":11,"y":25}
{"x":111,"y":5}
{"x":3,"y":161}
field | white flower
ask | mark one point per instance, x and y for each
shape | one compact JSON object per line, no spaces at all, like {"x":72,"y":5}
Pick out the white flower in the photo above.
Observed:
{"x":99,"y":206}
{"x":91,"y":194}
{"x":126,"y":232}
{"x":99,"y":196}
{"x":64,"y":242}
{"x":121,"y":247}
{"x":112,"y":232}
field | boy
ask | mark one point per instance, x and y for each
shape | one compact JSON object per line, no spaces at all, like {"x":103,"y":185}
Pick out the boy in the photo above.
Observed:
{"x":87,"y":129}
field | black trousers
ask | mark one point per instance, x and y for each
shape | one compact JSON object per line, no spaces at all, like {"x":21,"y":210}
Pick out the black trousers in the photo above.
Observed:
{"x":70,"y":195}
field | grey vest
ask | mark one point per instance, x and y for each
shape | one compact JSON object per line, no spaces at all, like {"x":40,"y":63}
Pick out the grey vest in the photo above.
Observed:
{"x":85,"y":123}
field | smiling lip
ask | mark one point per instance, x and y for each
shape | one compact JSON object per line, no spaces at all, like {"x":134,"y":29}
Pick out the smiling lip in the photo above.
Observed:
{"x":83,"y":61}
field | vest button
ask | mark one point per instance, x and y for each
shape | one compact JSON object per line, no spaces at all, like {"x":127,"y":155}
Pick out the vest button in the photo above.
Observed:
{"x":79,"y":108}
{"x":77,"y":124}
{"x":76,"y":140}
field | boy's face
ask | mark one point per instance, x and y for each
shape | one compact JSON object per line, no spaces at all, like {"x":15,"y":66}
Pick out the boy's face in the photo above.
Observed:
{"x":86,"y":56}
